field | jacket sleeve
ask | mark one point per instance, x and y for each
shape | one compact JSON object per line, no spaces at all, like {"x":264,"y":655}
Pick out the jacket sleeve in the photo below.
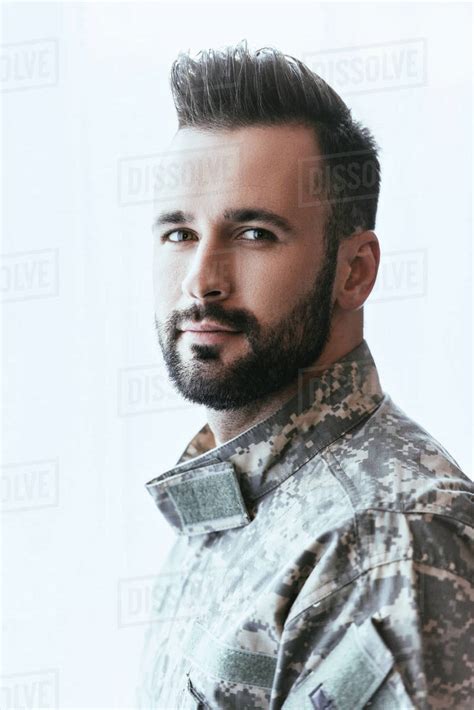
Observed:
{"x":397,"y":635}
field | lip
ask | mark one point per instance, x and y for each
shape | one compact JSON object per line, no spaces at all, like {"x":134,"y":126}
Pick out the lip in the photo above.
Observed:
{"x":210,"y":336}
{"x":207,"y":327}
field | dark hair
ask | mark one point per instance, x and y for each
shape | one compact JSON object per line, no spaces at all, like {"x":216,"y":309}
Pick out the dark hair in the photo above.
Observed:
{"x":235,"y":87}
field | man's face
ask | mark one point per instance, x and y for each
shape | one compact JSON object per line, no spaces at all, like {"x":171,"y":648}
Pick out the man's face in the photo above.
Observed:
{"x":270,"y":283}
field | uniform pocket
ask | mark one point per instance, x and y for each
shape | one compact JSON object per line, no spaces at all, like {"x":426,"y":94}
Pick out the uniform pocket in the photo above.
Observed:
{"x":351,"y":675}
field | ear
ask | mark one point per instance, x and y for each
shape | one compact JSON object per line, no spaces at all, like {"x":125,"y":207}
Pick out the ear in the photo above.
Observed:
{"x":358,"y":263}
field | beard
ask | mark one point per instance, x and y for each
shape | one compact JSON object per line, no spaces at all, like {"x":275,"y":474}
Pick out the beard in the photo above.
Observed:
{"x":276,"y":354}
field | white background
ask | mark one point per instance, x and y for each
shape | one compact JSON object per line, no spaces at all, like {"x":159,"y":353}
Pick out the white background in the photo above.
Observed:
{"x":84,"y":389}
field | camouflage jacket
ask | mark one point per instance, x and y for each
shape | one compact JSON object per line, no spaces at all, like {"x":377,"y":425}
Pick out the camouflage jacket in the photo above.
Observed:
{"x":322,"y":560}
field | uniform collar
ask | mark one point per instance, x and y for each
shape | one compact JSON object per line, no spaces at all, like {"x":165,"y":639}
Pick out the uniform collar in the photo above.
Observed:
{"x":213,"y":488}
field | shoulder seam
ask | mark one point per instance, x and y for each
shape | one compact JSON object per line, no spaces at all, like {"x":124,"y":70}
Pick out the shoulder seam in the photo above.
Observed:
{"x":412,"y":511}
{"x":358,"y":576}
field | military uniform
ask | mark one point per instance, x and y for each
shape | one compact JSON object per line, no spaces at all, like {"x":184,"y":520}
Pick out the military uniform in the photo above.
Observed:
{"x":322,"y":560}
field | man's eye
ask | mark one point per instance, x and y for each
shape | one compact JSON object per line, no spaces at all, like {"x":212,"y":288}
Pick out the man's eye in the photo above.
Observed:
{"x":177,"y":236}
{"x":170,"y":236}
{"x":263,"y":235}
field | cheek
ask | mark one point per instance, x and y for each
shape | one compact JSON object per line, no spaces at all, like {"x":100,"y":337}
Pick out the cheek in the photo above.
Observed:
{"x":273,"y":290}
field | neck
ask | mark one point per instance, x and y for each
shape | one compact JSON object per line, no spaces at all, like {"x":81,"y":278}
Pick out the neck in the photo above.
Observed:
{"x":228,"y":424}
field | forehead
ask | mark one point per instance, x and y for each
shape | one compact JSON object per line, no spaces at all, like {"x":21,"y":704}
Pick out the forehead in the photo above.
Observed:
{"x":266,"y":166}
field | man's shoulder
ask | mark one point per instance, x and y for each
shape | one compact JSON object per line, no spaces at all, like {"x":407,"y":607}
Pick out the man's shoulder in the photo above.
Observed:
{"x":402,"y":506}
{"x":390,"y":462}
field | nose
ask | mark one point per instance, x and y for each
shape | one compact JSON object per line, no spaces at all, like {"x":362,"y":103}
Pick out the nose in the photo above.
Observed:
{"x":210,"y":274}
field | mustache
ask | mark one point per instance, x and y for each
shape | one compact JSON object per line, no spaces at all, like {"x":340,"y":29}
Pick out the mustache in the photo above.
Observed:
{"x":238,"y":319}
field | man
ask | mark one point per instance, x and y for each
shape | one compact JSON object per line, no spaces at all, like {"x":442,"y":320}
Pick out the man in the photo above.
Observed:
{"x":323,"y":538}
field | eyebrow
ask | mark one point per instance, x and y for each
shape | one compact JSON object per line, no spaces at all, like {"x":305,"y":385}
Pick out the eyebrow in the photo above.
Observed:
{"x":245,"y":214}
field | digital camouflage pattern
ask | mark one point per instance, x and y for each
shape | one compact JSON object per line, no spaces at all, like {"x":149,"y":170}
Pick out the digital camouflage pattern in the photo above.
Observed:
{"x":323,"y":560}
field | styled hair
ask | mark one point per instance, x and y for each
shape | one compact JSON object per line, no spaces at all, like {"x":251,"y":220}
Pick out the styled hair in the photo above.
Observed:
{"x":235,"y":87}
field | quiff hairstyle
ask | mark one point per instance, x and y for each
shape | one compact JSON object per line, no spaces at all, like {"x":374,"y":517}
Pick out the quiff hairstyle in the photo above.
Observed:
{"x":235,"y":87}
